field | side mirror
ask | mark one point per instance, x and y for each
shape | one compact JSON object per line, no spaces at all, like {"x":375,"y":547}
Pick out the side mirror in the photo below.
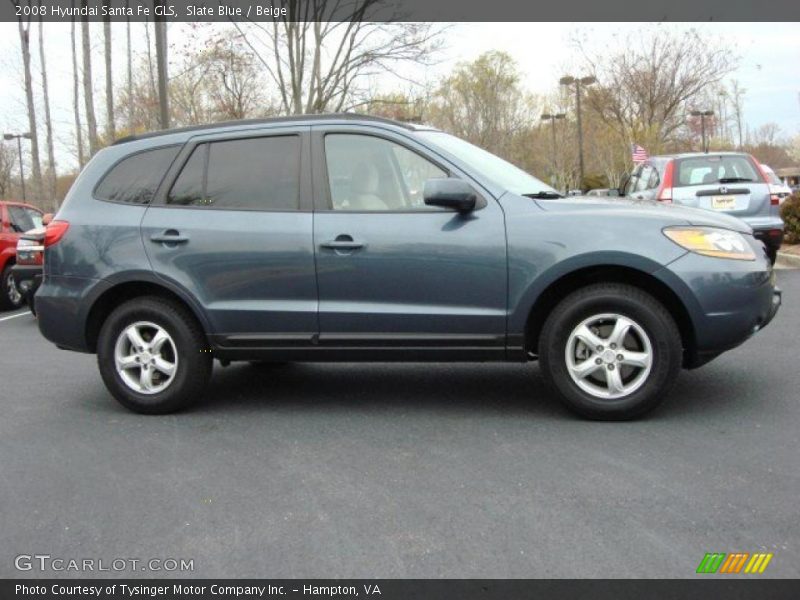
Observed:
{"x":449,"y":193}
{"x":46,"y":218}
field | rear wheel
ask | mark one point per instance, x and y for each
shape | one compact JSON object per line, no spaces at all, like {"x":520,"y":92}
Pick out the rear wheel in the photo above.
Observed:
{"x":611,"y":351}
{"x":152,"y":356}
{"x":10,"y":295}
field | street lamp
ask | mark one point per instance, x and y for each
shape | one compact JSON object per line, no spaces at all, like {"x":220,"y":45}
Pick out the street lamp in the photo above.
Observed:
{"x":568,"y":80}
{"x":703,"y":114}
{"x":18,"y":137}
{"x":552,"y":118}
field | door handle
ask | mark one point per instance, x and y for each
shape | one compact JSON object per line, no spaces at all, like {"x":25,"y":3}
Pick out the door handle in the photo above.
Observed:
{"x":170,"y":236}
{"x":342,"y":242}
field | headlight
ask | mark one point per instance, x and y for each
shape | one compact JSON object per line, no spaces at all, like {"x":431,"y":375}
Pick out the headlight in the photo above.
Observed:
{"x":710,"y":241}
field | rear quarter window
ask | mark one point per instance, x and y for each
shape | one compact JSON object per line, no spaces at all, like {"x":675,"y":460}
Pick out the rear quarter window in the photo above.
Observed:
{"x":135,"y":179}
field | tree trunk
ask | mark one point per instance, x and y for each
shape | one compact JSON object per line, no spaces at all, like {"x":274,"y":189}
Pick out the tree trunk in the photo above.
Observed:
{"x":36,"y":167}
{"x":110,"y":125}
{"x":88,"y":93}
{"x":76,"y":96}
{"x":161,"y":62}
{"x":51,"y":160}
{"x":130,"y":75}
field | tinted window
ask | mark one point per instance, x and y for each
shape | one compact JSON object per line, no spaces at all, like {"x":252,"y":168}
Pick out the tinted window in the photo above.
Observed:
{"x":136,"y":178}
{"x":367,"y":173}
{"x":711,"y":169}
{"x":23,"y":219}
{"x":188,"y":188}
{"x":643,"y":181}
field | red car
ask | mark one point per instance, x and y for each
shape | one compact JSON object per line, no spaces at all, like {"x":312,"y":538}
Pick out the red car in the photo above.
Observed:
{"x":15,"y":219}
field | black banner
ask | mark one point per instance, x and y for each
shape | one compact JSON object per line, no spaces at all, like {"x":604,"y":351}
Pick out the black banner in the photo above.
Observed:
{"x":399,"y":10}
{"x":400,"y":589}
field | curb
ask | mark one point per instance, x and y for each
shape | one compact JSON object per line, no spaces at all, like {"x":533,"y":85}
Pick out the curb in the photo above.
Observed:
{"x":789,"y":259}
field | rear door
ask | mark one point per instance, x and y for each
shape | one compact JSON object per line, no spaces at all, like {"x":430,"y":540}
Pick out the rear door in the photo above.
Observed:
{"x":232,"y":228}
{"x":729,"y":183}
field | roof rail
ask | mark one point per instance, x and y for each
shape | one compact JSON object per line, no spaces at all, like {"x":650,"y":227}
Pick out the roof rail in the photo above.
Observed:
{"x":263,"y":121}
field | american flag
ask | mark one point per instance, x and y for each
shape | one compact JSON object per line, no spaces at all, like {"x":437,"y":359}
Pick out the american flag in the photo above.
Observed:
{"x":638,"y":154}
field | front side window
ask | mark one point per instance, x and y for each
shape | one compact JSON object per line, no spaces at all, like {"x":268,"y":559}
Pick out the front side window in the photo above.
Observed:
{"x":253,"y":173}
{"x":366,"y":173}
{"x":134,"y":180}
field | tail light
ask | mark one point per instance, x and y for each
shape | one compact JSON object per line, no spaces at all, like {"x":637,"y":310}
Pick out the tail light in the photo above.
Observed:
{"x":665,"y":191}
{"x":774,"y":199}
{"x":54,"y":231}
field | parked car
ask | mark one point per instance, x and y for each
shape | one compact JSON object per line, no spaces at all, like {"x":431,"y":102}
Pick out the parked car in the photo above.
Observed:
{"x":30,"y":260}
{"x":724,"y":182}
{"x":776,"y":186}
{"x":15,"y":219}
{"x":607,"y":192}
{"x":302,"y":239}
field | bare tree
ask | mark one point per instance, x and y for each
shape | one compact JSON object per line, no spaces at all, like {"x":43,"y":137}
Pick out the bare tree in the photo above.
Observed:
{"x":319,"y":64}
{"x":24,"y":38}
{"x":76,"y":94}
{"x":737,"y":93}
{"x":646,"y":87}
{"x":8,"y":161}
{"x":110,"y":125}
{"x":161,"y":65}
{"x":48,"y":122}
{"x":130,"y":71}
{"x":88,"y":92}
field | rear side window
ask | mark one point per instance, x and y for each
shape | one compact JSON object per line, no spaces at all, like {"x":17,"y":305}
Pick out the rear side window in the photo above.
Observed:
{"x":135,"y":179}
{"x":253,"y":173}
{"x":705,"y":170}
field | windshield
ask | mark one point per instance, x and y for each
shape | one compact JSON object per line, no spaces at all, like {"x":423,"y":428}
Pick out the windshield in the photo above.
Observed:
{"x":494,"y":168}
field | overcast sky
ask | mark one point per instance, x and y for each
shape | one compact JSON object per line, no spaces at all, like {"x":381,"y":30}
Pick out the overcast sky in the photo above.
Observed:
{"x":769,"y":67}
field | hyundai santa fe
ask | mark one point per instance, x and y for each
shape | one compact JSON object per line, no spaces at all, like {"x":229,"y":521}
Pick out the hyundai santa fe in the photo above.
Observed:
{"x":349,"y":238}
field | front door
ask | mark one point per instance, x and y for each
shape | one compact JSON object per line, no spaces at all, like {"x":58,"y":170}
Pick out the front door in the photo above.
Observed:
{"x":232,"y":228}
{"x":397,"y":278}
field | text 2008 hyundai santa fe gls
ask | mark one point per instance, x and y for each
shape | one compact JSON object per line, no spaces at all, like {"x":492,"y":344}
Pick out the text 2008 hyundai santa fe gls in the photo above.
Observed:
{"x":359,"y":239}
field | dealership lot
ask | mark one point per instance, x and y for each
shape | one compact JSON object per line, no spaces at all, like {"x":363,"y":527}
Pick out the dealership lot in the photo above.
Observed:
{"x":344,"y":470}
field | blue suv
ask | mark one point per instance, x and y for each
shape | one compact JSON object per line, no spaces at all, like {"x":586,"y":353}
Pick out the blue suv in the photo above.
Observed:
{"x":350,"y":238}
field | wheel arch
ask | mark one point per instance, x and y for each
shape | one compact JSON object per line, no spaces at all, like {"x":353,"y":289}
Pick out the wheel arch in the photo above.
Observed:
{"x":610,"y":273}
{"x":123,"y":291}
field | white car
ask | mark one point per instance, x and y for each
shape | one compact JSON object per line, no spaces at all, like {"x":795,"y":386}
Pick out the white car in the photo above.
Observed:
{"x":776,"y":186}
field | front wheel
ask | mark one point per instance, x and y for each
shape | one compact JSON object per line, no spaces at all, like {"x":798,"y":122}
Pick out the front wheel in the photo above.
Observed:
{"x":152,"y":356}
{"x":611,"y":351}
{"x":11,"y":297}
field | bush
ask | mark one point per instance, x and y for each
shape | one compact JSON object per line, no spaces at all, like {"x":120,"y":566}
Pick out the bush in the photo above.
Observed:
{"x":790,"y":212}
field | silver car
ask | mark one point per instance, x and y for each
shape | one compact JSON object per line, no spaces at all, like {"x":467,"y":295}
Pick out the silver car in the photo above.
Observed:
{"x":726,"y":182}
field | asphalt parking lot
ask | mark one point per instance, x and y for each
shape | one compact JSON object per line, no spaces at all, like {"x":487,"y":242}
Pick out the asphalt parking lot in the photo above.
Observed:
{"x":467,"y":470}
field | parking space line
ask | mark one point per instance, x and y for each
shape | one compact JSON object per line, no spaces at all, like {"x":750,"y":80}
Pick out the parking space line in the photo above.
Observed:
{"x":21,"y":314}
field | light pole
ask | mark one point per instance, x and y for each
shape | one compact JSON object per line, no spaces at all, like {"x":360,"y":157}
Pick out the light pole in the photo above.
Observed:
{"x":552,"y":118}
{"x":18,"y":137}
{"x":703,"y":114}
{"x":578,"y":82}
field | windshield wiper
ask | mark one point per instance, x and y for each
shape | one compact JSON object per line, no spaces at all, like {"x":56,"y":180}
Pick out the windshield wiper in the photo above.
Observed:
{"x":544,"y":195}
{"x":734,"y":179}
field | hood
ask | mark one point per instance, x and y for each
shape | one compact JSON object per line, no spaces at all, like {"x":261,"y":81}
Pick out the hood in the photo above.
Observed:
{"x":680,"y":215}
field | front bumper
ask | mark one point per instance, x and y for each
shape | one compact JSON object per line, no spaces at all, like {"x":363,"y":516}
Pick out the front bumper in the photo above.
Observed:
{"x":727,"y":300}
{"x":25,"y":273}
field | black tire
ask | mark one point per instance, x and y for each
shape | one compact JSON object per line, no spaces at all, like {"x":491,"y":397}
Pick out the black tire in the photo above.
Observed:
{"x":634,"y":304}
{"x":194,"y":361}
{"x":9,"y":301}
